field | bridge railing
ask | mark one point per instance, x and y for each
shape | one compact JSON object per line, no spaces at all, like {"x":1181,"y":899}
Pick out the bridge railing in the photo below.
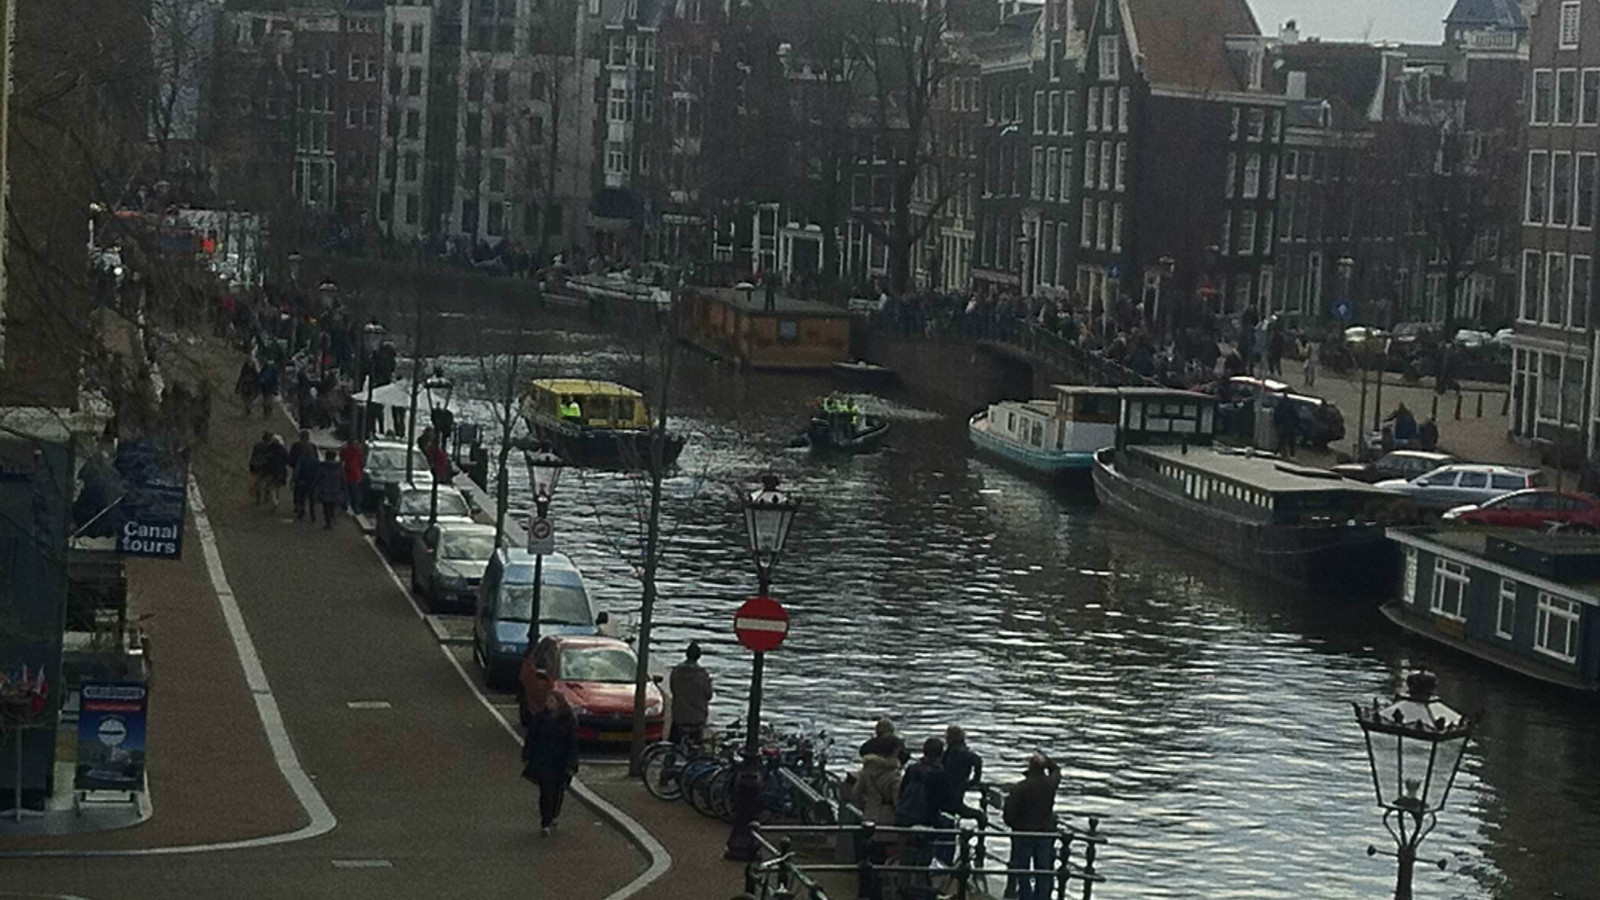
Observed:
{"x":1023,"y":334}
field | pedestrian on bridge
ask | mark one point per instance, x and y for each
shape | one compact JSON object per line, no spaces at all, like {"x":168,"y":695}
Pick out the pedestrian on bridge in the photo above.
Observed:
{"x":550,"y":752}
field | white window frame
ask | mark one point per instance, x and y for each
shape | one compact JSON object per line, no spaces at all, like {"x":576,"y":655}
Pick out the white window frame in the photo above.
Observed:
{"x":1577,"y":98}
{"x":1530,"y":306}
{"x":1250,"y":188}
{"x":1563,"y":295}
{"x":1110,"y":52}
{"x":1247,"y":232}
{"x":1124,"y":102}
{"x":1556,"y":157}
{"x":1578,"y":208}
{"x":1228,"y":183}
{"x":1093,"y":112}
{"x":1120,"y":182}
{"x":1570,"y":611}
{"x":1584,"y":79}
{"x":1508,"y":598}
{"x":1527,"y":199}
{"x":1570,"y":25}
{"x":1090,"y":163}
{"x":1447,"y":571}
{"x":1116,"y":228}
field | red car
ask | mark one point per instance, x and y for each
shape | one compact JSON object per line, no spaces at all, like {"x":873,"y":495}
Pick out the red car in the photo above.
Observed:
{"x":595,"y":674}
{"x":1533,"y":508}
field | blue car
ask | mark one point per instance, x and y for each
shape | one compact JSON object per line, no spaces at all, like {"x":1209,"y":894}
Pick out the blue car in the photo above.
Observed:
{"x":505,"y":605}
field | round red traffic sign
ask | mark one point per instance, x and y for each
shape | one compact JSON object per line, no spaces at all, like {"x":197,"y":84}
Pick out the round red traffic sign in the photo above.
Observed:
{"x":761,"y":624}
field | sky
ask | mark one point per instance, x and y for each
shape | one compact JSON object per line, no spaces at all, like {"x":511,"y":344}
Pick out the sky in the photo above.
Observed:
{"x":1413,"y":21}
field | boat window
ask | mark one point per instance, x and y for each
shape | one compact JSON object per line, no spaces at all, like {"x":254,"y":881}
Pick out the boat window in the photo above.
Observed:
{"x":1555,"y":632}
{"x":596,"y":407}
{"x":1474,"y":479}
{"x":1449,"y":589}
{"x":624,"y":409}
{"x":1036,"y":435}
{"x":1011,"y":421}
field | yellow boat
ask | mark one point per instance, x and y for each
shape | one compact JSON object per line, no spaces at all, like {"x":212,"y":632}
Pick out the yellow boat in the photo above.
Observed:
{"x":597,"y":424}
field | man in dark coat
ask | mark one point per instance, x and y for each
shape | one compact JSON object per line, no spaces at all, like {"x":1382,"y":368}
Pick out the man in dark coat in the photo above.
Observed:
{"x":550,"y":753}
{"x":1030,"y":807}
{"x":258,"y":468}
{"x":275,"y":471}
{"x":303,"y":465}
{"x":329,"y":488}
{"x":691,"y":695}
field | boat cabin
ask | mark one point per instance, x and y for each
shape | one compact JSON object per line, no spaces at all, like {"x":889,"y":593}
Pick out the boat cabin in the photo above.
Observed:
{"x":1257,"y":487}
{"x":1153,"y":415}
{"x":1524,"y":600}
{"x":601,"y":404}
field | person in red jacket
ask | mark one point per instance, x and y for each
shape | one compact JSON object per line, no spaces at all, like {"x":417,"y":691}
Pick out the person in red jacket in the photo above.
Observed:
{"x":353,"y":458}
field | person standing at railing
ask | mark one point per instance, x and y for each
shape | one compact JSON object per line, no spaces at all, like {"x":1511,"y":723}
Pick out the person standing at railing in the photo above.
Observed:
{"x":876,"y":789}
{"x":1031,"y":807}
{"x":965,"y":769}
{"x":691,"y":696}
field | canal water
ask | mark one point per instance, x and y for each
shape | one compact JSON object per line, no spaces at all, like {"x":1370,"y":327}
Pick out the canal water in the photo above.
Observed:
{"x":1203,"y":713}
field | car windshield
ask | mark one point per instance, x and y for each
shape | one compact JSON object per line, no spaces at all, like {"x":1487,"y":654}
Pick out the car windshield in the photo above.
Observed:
{"x":610,"y":664}
{"x":559,"y":604}
{"x":393,"y":459}
{"x":472,"y":545}
{"x":418,"y":503}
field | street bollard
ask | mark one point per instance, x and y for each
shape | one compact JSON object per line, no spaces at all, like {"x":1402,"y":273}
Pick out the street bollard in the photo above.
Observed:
{"x":1480,"y":404}
{"x":1458,"y":406}
{"x":1505,"y":405}
{"x":1435,"y":413}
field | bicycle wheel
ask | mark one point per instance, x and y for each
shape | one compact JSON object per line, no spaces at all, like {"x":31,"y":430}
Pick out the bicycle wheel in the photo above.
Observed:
{"x":695,"y":784}
{"x":719,"y":793}
{"x":663,"y":772}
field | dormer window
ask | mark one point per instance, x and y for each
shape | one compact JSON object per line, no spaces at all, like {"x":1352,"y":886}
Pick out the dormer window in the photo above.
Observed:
{"x":1257,"y":67}
{"x":1108,"y":58}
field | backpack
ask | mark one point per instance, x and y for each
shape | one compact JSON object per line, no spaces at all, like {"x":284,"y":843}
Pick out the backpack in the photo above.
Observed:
{"x":914,"y":806}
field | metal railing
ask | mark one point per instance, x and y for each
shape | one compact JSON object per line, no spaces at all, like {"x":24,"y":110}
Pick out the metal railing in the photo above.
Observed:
{"x":949,"y":863}
{"x":1023,"y":334}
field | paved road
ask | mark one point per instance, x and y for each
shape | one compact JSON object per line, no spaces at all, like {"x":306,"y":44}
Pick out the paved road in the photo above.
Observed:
{"x":425,"y":791}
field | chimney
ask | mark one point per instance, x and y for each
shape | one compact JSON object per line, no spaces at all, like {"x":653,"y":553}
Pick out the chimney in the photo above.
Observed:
{"x":1297,"y":86}
{"x":1289,"y":33}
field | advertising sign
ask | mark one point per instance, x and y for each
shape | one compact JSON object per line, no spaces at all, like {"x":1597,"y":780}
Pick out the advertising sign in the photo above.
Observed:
{"x":111,"y":721}
{"x":151,"y":523}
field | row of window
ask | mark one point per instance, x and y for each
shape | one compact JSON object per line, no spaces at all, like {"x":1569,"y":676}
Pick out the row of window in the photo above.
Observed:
{"x":621,"y":104}
{"x":1101,"y":226}
{"x":1107,"y":110}
{"x":1258,"y":124}
{"x":1251,"y":188}
{"x":1560,"y":189}
{"x":1052,"y":111}
{"x":1246,"y":244}
{"x":637,"y":51}
{"x":363,"y":67}
{"x":1052,"y":175}
{"x":1204,"y":487}
{"x":1556,"y":621}
{"x":1556,"y":289}
{"x":397,"y":38}
{"x":1111,"y":172}
{"x":1565,"y":97}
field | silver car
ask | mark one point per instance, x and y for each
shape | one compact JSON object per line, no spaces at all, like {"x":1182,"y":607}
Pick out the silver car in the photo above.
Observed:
{"x":447,"y":563}
{"x":1463,"y":483}
{"x":404,"y":512}
{"x":384,"y":467}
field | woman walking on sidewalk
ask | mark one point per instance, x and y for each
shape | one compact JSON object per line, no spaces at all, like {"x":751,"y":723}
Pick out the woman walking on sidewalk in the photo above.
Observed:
{"x":550,"y":751}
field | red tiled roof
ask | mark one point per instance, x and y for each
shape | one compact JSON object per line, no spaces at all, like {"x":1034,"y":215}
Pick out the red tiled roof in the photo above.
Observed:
{"x":1183,"y":41}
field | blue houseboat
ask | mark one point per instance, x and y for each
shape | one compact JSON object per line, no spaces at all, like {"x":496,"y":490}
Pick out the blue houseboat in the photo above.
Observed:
{"x":1525,"y":601}
{"x":1056,"y":438}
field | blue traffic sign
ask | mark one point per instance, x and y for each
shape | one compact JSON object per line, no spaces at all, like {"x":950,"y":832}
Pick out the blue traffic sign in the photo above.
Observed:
{"x":1344,"y":311}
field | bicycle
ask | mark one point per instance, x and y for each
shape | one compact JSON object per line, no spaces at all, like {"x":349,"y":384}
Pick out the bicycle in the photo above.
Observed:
{"x":664,"y":762}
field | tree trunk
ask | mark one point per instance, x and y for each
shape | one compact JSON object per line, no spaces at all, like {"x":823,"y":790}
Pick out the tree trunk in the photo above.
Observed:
{"x":502,"y":487}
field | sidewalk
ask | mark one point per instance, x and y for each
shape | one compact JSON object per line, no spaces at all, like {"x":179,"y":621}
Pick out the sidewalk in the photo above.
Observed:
{"x":423,"y":783}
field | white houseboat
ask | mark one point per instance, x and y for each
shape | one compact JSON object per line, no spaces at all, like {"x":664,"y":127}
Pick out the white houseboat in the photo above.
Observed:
{"x":1057,"y":438}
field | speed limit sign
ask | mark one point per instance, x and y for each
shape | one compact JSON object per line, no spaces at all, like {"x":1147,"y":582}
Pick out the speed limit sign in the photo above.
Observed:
{"x":541,"y":537}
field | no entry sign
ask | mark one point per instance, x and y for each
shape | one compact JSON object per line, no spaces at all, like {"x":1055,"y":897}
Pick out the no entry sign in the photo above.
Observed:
{"x":761,"y":624}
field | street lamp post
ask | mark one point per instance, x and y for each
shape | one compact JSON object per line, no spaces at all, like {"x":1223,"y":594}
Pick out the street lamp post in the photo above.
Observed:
{"x":1167,"y":265}
{"x":371,"y":338}
{"x":439,"y":389}
{"x":768,"y":514}
{"x":1414,"y":746}
{"x":544,"y":470}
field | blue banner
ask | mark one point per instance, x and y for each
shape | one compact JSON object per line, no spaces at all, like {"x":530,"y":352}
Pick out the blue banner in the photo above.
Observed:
{"x":151,"y":523}
{"x":111,"y":720}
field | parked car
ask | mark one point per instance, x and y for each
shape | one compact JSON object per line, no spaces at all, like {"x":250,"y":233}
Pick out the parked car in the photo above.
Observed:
{"x":385,"y":467}
{"x":596,"y":675}
{"x":1402,"y":464}
{"x":1534,"y":508}
{"x":447,"y":563}
{"x":1453,"y":485}
{"x":404,"y":511}
{"x":505,"y":605}
{"x":1320,"y":421}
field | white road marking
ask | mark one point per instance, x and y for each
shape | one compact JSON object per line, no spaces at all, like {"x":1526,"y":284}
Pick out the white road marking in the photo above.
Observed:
{"x":362,"y":864}
{"x":660,"y":858}
{"x":322,"y":818}
{"x":369,"y":704}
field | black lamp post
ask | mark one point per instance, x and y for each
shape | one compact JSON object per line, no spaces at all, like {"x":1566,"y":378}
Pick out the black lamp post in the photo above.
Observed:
{"x":1414,"y":746}
{"x":439,"y":389}
{"x":768,"y":513}
{"x":544,"y":470}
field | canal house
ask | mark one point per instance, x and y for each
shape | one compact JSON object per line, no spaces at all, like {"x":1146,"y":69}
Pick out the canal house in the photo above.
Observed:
{"x":1525,"y":601}
{"x":789,"y":333}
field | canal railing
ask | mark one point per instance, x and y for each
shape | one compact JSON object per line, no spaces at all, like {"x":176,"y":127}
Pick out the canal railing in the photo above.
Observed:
{"x":948,"y":862}
{"x":966,"y":863}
